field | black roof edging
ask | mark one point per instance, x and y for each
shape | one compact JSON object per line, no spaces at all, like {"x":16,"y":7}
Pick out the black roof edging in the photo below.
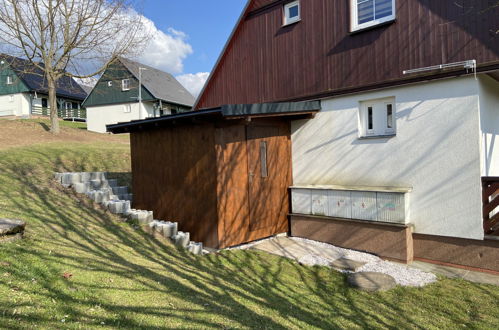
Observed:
{"x":227,"y":111}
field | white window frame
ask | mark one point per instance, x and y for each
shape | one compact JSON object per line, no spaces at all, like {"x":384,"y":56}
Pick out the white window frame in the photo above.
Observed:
{"x":379,"y":120}
{"x":127,"y":83}
{"x":127,"y":108}
{"x":355,"y":26}
{"x":9,"y":80}
{"x":290,"y":20}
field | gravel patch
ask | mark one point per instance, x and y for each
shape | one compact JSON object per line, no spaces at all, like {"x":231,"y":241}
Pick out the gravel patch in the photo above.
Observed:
{"x":403,"y":274}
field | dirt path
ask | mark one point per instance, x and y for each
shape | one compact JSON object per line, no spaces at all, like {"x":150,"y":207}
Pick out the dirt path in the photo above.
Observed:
{"x":19,"y":132}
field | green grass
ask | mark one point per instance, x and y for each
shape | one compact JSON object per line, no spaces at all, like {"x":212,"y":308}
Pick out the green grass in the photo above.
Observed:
{"x":62,"y":123}
{"x":122,"y":277}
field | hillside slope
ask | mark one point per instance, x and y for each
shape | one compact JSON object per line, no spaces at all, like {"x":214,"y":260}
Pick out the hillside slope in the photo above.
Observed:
{"x":81,"y":267}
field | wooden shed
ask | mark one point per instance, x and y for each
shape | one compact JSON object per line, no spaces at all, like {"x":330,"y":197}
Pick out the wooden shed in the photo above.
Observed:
{"x":223,"y":174}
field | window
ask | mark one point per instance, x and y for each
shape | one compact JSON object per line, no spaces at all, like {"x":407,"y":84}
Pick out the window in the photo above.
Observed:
{"x":291,"y":12}
{"x":377,"y":118}
{"x":9,"y":80}
{"x":128,"y":108}
{"x":366,"y":13}
{"x":125,"y":84}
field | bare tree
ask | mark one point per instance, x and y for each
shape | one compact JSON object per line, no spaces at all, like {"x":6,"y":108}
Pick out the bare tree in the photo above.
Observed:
{"x":74,"y":38}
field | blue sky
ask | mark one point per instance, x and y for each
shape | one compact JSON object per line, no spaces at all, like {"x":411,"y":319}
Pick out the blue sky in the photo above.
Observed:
{"x":207,"y":24}
{"x":191,"y":36}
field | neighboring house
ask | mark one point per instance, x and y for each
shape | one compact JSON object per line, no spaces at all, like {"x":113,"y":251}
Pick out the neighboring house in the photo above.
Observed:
{"x":393,"y":163}
{"x":115,"y":97}
{"x":24,"y":92}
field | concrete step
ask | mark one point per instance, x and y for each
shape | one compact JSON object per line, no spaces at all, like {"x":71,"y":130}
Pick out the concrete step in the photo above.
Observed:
{"x":120,"y":190}
{"x":117,"y":199}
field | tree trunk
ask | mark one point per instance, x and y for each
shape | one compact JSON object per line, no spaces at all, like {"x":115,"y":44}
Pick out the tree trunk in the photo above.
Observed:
{"x":54,"y":121}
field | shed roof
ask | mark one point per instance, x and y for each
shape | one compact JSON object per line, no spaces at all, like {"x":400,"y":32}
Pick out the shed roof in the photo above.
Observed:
{"x":34,"y":78}
{"x":293,"y":110}
{"x":160,"y":84}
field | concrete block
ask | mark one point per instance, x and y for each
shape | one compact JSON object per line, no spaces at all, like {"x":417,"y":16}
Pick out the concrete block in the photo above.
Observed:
{"x":170,"y":229}
{"x":97,"y":176}
{"x":119,"y":207}
{"x":122,"y":190}
{"x":182,"y":239}
{"x":152,"y":225}
{"x":66,"y":178}
{"x":112,"y":182}
{"x":141,"y":216}
{"x":85,"y":177}
{"x":81,"y":188}
{"x":75,"y":178}
{"x":58,"y":177}
{"x":96,"y":184}
{"x":195,"y":248}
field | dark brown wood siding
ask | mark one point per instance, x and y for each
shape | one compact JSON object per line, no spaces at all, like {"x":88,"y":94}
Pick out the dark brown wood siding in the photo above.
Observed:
{"x":266,"y":62}
{"x":174,"y":175}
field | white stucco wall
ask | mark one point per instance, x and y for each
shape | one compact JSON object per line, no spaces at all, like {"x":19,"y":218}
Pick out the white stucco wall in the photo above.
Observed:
{"x":99,"y":117}
{"x":436,"y":151}
{"x":489,"y":124}
{"x":19,"y":106}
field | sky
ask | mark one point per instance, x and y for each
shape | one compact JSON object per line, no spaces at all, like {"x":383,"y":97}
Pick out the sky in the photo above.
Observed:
{"x":188,"y":36}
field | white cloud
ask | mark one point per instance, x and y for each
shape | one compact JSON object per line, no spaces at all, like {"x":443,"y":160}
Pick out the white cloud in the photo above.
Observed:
{"x":165,"y":51}
{"x":193,"y":82}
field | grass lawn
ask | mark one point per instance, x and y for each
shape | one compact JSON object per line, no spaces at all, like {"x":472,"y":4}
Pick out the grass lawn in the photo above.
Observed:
{"x":122,"y":277}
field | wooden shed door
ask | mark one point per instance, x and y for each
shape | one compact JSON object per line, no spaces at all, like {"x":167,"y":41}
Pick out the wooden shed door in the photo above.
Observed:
{"x":268,"y":179}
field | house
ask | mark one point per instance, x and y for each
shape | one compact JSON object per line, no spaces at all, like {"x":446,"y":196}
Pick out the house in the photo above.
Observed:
{"x":391,"y":113}
{"x":24,"y":91}
{"x":116,"y":97}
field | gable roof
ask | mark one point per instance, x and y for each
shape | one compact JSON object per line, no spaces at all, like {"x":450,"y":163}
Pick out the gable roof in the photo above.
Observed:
{"x":232,"y":35}
{"x":34,"y":78}
{"x":160,"y":84}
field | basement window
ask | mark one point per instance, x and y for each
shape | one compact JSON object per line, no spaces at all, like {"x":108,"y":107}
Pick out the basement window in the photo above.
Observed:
{"x":9,"y":80}
{"x":125,"y":84}
{"x":367,"y":13}
{"x":128,"y":108}
{"x":377,"y":118}
{"x":291,"y":12}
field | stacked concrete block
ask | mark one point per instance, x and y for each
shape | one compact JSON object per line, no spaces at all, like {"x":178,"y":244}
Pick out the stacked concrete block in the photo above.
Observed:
{"x":195,"y":248}
{"x":117,"y":200}
{"x":82,"y":187}
{"x":142,"y":216}
{"x":120,"y":190}
{"x":170,"y":229}
{"x":182,"y":239}
{"x":118,"y":207}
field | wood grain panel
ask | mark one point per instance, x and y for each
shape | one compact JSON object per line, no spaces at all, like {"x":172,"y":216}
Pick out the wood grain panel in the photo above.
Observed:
{"x":174,"y":175}
{"x":318,"y":56}
{"x":250,"y":211}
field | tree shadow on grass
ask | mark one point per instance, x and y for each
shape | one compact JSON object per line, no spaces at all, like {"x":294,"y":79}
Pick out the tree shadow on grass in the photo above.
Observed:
{"x":123,"y":277}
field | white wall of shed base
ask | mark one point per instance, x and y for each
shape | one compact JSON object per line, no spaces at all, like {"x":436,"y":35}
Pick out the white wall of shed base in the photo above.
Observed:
{"x":99,"y":117}
{"x":436,"y":151}
{"x":19,"y":106}
{"x":489,"y":124}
